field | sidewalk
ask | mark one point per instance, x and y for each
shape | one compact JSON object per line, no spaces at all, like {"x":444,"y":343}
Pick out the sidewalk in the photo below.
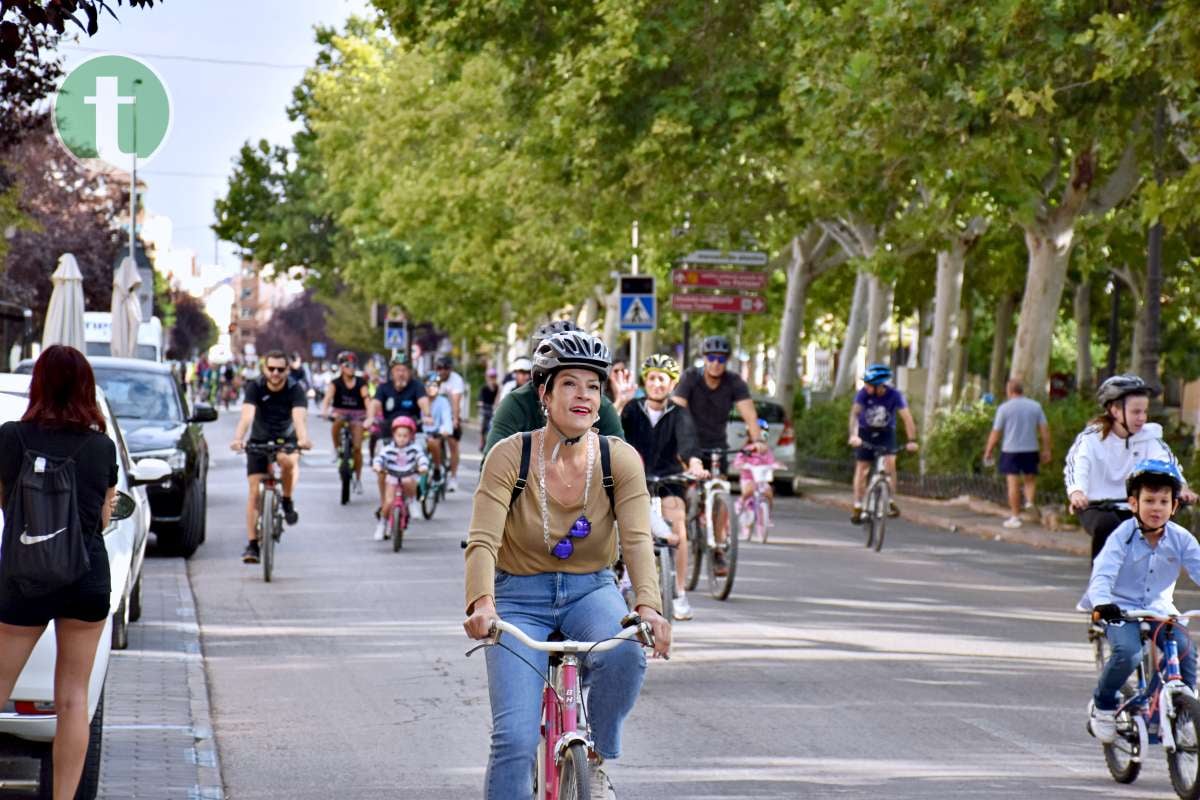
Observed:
{"x":158,"y":740}
{"x":960,"y":515}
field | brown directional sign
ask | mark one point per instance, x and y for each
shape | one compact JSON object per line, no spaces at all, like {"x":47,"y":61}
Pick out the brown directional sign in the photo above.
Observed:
{"x":718,"y":279}
{"x":718,"y":303}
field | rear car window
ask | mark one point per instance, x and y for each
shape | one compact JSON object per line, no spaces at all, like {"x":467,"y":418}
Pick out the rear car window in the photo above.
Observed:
{"x":771,"y":412}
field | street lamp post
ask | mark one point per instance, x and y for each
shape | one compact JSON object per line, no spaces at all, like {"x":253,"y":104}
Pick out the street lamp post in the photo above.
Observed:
{"x":133,"y":181}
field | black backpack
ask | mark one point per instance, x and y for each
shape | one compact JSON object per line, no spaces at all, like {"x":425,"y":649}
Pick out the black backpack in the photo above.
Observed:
{"x":605,"y":471}
{"x":43,"y":548}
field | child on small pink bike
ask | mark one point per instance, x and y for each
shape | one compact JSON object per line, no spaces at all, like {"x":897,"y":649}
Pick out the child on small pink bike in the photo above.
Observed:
{"x":401,"y":460}
{"x":749,"y":462}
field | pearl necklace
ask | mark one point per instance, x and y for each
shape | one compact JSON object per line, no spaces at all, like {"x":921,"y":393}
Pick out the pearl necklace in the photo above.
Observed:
{"x":587,"y":484}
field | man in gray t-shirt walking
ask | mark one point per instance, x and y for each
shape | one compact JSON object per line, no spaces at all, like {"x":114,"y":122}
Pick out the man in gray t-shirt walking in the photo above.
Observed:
{"x":1021,"y":421}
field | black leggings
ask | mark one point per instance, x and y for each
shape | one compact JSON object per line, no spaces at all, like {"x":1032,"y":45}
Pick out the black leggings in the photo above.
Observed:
{"x":1100,"y":522}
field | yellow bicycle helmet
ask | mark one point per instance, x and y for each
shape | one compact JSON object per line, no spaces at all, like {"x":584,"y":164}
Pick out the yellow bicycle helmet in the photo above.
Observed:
{"x":661,"y":362}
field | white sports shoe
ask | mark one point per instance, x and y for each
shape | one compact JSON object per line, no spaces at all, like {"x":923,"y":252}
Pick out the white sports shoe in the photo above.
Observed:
{"x":602,"y":788}
{"x":1102,"y":724}
{"x":683,"y":609}
{"x":380,"y":529}
{"x":452,"y":483}
{"x":1012,"y":522}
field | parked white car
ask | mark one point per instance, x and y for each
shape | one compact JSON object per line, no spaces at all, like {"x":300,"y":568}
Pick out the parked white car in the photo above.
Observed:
{"x":27,"y":721}
{"x":779,"y":437}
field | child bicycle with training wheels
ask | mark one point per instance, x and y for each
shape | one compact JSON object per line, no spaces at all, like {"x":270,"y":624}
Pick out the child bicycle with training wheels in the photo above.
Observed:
{"x":1137,"y":570}
{"x":400,"y":457}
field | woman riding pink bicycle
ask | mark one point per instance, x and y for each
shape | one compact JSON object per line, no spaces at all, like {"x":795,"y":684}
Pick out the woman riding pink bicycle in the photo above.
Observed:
{"x":538,"y":556}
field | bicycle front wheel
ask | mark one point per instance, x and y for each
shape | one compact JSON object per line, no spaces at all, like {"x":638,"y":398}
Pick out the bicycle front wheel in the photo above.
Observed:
{"x":573,"y":776}
{"x":722,"y":561}
{"x":695,"y":552}
{"x":429,"y":500}
{"x":397,"y":523}
{"x":879,"y":508}
{"x":1184,"y":762}
{"x":666,"y":581}
{"x":266,"y":532}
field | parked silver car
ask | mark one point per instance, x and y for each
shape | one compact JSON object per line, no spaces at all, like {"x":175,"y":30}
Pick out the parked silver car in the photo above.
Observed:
{"x":779,"y":436}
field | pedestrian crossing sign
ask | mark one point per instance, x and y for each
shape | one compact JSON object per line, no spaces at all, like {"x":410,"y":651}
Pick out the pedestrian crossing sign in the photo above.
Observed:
{"x":394,"y":336}
{"x":639,"y":311}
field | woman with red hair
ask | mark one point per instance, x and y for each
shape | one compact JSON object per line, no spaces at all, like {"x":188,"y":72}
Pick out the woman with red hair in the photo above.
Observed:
{"x":62,"y":421}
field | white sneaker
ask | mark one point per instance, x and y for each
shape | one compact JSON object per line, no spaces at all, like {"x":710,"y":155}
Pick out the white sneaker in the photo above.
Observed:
{"x":452,"y":483}
{"x":380,"y":530}
{"x":1102,"y":724}
{"x":1012,"y":522}
{"x":414,"y":508}
{"x":602,"y":788}
{"x":358,"y":486}
{"x":683,"y":609}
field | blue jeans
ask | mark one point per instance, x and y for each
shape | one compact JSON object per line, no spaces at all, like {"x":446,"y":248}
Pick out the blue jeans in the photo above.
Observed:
{"x":1126,"y":643}
{"x":582,"y":607}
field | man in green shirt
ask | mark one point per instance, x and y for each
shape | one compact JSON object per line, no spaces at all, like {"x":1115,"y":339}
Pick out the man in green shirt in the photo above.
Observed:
{"x":521,"y":410}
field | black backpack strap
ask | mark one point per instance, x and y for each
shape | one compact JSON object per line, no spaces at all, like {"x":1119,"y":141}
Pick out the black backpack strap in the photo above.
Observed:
{"x":523,"y":472}
{"x":606,"y":471}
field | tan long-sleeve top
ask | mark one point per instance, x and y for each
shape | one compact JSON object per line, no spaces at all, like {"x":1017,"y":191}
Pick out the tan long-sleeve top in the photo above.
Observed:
{"x":514,"y":541}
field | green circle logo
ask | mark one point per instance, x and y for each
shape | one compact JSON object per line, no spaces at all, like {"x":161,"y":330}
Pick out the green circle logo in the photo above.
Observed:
{"x":110,"y":108}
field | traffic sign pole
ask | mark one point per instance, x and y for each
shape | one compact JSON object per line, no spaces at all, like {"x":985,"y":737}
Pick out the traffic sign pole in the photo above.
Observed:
{"x":633,"y":337}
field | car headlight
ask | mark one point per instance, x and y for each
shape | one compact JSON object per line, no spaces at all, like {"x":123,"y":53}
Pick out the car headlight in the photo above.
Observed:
{"x":175,"y":458}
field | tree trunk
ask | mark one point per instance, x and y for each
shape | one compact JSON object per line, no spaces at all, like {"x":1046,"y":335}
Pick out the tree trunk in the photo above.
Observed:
{"x":1083,"y":336}
{"x":612,"y":318}
{"x":791,"y":327}
{"x":997,"y":375}
{"x":926,"y":316}
{"x":963,"y":351}
{"x":946,"y":303}
{"x":1049,"y":254}
{"x":855,"y":326}
{"x":879,"y":313}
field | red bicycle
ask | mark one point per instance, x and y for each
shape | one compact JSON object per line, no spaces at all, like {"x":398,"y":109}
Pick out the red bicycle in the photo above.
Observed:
{"x":398,"y":516}
{"x":566,"y":737}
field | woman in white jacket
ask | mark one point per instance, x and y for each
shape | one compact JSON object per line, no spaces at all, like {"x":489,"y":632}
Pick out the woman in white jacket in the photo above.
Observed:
{"x":1105,"y":452}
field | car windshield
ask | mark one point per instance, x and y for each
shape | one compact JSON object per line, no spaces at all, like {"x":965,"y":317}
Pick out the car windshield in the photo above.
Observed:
{"x":146,"y":352}
{"x":771,"y":412}
{"x":140,"y":395}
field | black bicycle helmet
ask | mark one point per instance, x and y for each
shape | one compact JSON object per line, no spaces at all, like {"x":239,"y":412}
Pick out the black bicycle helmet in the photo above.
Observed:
{"x":571,"y":349}
{"x":877,"y":374}
{"x":544,"y":332}
{"x":444,"y":362}
{"x":661,"y":362}
{"x":715,"y":344}
{"x":398,"y":360}
{"x":347,"y":357}
{"x":1120,"y":386}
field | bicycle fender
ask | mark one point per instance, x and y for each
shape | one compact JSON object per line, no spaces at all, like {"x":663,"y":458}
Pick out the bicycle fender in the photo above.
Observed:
{"x":1166,"y":713}
{"x":566,"y":740}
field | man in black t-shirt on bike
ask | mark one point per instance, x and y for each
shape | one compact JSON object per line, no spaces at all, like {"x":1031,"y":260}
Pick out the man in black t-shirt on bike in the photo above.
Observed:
{"x":276,"y":407}
{"x":401,"y":396}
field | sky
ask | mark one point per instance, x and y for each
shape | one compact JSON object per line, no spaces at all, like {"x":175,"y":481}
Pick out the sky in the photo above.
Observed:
{"x":217,"y":106}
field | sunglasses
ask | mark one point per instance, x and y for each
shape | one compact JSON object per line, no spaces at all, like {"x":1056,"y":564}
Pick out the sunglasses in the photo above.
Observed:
{"x":719,"y":359}
{"x":277,"y":369}
{"x":565,"y":546}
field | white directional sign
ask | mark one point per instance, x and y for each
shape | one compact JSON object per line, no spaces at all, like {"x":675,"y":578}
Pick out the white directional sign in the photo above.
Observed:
{"x":742,"y":258}
{"x":638,"y":306}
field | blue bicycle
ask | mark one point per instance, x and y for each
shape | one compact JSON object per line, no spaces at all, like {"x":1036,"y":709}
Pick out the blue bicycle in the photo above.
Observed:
{"x":1156,"y":707}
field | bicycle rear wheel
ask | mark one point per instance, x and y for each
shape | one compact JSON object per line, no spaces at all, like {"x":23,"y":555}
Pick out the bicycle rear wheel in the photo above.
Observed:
{"x":266,"y":532}
{"x":398,"y":523}
{"x":764,"y":519}
{"x":666,"y":581}
{"x":719,"y":586}
{"x":429,"y":500}
{"x":1184,"y":762}
{"x":573,"y":776}
{"x":345,"y":464}
{"x":879,"y":508}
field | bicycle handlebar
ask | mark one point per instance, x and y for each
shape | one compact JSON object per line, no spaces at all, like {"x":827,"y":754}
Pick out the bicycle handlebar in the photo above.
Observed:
{"x":1139,"y":614}
{"x":636,"y":629}
{"x":681,"y":478}
{"x":269,"y":448}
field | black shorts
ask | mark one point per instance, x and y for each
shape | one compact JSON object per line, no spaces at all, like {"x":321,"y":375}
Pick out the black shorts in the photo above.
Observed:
{"x":457,"y":435}
{"x":86,"y":600}
{"x":256,"y":463}
{"x":1018,"y":463}
{"x":884,"y":438}
{"x":673,"y":490}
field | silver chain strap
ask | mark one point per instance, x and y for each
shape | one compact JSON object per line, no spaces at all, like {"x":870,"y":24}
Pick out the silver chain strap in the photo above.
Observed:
{"x":542,"y":502}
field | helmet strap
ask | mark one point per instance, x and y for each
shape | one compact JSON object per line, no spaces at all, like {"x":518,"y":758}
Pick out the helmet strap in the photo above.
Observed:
{"x":1144,"y":530}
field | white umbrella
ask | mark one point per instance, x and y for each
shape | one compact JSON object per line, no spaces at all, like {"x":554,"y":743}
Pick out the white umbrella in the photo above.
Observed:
{"x":126,"y":310}
{"x":64,"y":317}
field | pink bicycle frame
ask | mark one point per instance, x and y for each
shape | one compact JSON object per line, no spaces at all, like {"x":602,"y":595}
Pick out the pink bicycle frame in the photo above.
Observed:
{"x":558,"y":718}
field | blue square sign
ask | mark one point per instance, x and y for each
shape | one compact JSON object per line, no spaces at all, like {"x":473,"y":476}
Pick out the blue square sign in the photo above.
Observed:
{"x":638,"y":309}
{"x":393,"y":336}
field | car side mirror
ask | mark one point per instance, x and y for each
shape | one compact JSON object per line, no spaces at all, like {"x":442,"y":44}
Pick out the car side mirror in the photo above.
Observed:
{"x":149,"y":470}
{"x":203,"y":412}
{"x":124,"y":507}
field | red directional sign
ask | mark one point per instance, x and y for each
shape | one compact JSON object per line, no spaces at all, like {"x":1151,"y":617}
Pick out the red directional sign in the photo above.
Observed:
{"x":718,"y":279}
{"x":719,"y":304}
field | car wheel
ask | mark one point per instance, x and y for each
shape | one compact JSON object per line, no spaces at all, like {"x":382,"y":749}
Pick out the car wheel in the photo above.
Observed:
{"x":135,"y":600}
{"x":191,"y":527}
{"x":89,"y":781}
{"x":120,"y":627}
{"x":784,"y":487}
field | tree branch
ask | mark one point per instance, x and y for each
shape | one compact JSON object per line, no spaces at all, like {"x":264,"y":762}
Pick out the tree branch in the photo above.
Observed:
{"x":1119,"y":186}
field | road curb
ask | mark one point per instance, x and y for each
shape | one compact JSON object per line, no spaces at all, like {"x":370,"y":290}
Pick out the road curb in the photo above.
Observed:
{"x":911,"y":509}
{"x":209,"y":785}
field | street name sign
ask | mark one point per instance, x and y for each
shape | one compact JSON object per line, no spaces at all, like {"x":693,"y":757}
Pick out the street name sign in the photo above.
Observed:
{"x":718,"y":303}
{"x":718,"y":279}
{"x":737,"y":258}
{"x":638,"y":306}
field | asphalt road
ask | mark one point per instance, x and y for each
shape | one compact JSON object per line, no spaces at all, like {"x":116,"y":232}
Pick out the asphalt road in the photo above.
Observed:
{"x":943,"y":667}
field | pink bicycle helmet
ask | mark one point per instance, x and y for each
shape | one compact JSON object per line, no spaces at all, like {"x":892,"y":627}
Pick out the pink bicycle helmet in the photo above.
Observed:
{"x":404,"y":422}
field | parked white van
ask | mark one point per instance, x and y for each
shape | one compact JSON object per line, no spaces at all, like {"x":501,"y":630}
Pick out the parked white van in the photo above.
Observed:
{"x":97,"y":336}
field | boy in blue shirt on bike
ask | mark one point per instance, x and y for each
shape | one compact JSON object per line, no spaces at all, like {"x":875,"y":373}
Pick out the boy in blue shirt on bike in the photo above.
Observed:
{"x":1137,"y":570}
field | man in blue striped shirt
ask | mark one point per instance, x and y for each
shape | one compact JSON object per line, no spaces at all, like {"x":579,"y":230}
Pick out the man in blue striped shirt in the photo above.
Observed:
{"x":1137,"y":570}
